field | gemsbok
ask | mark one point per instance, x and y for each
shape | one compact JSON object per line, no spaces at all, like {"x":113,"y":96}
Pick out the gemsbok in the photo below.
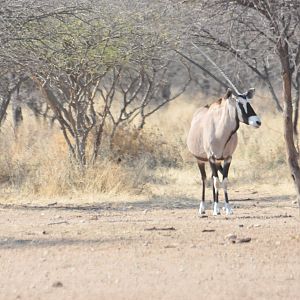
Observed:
{"x":213,"y":138}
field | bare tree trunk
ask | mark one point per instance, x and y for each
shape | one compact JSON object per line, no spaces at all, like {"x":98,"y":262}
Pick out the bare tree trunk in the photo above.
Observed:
{"x":297,"y":99}
{"x":56,"y":108}
{"x":80,"y":146}
{"x":270,"y":86}
{"x":292,"y":154}
{"x":17,"y":112}
{"x":296,"y":109}
{"x":8,"y":95}
{"x":3,"y":108}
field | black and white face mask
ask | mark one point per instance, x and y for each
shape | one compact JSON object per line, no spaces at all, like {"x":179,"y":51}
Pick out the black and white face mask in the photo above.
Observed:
{"x":246,"y":113}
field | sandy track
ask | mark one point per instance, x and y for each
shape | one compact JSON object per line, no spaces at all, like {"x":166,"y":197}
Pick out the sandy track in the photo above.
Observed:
{"x":111,"y":251}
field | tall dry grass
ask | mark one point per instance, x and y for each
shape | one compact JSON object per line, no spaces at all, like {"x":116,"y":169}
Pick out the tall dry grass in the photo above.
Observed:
{"x":154,"y":162}
{"x":37,"y":162}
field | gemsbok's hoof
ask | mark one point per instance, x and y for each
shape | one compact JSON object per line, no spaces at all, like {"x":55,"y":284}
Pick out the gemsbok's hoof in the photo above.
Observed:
{"x":202,"y":208}
{"x":216,"y":209}
{"x":228,"y":209}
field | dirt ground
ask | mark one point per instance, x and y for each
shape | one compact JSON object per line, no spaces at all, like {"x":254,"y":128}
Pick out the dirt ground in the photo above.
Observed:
{"x":150,"y":250}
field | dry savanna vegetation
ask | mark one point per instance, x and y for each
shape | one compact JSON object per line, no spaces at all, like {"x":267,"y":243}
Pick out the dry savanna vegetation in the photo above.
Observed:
{"x":99,"y":195}
{"x":136,"y":211}
{"x":35,"y":161}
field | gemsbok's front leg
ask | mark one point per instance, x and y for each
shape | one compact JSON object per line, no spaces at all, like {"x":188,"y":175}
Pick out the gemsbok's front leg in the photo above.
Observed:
{"x":216,"y":184}
{"x":227,"y":163}
{"x":201,"y":166}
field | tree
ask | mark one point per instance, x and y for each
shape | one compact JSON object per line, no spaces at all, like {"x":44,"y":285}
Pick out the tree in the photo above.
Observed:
{"x":15,"y":64}
{"x":95,"y":67}
{"x":254,"y":31}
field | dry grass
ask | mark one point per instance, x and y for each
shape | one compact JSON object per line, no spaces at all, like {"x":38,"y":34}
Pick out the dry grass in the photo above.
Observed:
{"x":38,"y":163}
{"x":155,"y":162}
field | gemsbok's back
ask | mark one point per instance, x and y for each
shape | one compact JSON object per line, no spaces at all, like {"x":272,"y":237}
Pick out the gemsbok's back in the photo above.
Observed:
{"x":213,"y":138}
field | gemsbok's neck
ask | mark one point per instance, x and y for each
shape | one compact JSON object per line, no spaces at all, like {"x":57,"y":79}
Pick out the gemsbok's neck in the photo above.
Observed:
{"x":228,"y":124}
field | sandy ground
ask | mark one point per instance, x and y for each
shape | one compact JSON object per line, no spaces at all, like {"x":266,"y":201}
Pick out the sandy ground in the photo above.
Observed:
{"x":150,"y":250}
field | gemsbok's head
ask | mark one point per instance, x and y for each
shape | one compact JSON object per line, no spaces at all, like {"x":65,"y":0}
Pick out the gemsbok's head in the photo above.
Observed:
{"x":245,"y":112}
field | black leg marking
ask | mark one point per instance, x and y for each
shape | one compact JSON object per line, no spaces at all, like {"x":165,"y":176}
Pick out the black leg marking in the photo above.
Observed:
{"x":220,"y":169}
{"x":226,"y":196}
{"x":214,"y":168}
{"x":203,"y":177}
{"x":227,"y":163}
{"x":201,"y":166}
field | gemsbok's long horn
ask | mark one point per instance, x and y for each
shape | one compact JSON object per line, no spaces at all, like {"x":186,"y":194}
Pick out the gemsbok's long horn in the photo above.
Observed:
{"x":220,"y":70}
{"x":202,"y":68}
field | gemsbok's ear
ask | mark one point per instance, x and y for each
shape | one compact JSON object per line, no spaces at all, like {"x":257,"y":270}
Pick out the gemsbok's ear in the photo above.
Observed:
{"x":250,"y":93}
{"x":228,"y":93}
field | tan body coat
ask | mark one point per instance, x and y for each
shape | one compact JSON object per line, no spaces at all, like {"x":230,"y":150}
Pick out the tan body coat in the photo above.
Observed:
{"x":213,"y":131}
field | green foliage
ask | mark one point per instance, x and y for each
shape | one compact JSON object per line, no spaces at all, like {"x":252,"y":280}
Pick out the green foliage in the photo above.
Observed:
{"x":89,"y":42}
{"x":64,"y":44}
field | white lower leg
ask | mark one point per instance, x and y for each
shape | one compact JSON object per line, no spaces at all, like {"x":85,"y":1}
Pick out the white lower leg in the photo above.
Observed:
{"x":216,"y":209}
{"x":202,"y":208}
{"x":216,"y":182}
{"x":228,"y":209}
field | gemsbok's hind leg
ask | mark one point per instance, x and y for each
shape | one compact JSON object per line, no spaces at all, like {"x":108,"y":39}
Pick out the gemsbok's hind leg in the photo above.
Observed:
{"x":216,"y":184}
{"x":220,"y":169}
{"x":201,"y":166}
{"x":227,"y":163}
